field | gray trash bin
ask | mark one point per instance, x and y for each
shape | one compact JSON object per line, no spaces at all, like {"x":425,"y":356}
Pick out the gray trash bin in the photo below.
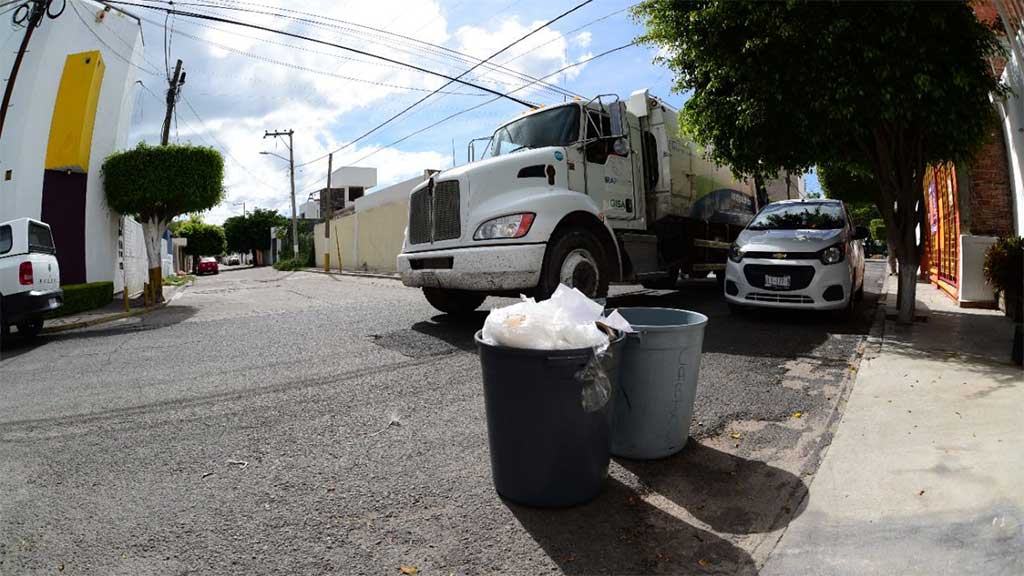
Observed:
{"x":658,"y":382}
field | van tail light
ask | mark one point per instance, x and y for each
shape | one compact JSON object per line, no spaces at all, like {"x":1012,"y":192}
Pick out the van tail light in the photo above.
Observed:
{"x":25,"y":274}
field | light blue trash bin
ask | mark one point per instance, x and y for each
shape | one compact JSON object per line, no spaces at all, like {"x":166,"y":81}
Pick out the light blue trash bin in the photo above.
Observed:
{"x":657,"y":382}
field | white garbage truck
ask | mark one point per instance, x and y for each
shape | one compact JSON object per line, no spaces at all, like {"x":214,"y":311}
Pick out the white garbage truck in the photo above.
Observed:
{"x":579,"y":193}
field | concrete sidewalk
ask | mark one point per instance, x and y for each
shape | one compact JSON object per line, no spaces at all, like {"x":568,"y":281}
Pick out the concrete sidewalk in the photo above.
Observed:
{"x":109,"y":313}
{"x":924,"y":473}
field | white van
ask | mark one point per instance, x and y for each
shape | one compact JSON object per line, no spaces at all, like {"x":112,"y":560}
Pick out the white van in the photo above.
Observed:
{"x":29,"y":276}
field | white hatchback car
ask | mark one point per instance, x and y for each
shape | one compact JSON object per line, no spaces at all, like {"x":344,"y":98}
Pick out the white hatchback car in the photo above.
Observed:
{"x":797,"y":254}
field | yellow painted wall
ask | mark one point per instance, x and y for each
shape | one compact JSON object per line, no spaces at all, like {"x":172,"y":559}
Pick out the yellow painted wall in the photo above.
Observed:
{"x":380,"y":231}
{"x":74,"y":112}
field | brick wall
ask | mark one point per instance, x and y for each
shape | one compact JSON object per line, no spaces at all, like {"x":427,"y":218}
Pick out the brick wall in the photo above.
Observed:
{"x":990,"y":202}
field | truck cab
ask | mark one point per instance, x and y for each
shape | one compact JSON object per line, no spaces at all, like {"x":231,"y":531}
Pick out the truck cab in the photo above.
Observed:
{"x":570,"y":194}
{"x":29,"y":276}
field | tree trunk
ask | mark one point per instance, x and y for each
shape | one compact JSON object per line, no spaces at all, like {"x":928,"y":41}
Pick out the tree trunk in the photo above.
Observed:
{"x":153,"y":229}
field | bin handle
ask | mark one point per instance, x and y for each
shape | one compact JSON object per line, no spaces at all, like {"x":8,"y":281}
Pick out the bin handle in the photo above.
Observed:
{"x":636,"y":336}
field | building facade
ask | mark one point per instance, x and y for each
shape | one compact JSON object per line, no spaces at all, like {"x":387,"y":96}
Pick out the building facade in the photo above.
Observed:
{"x":70,"y":107}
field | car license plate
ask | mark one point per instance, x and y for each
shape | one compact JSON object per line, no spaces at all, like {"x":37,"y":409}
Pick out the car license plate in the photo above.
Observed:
{"x":781,"y":282}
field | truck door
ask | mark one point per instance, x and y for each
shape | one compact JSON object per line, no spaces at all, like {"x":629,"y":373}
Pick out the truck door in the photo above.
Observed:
{"x":609,"y":169}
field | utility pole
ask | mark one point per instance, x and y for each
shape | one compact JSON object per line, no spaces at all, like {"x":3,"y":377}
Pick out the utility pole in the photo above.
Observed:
{"x":173,"y":89}
{"x":327,"y":210}
{"x":291,"y":171}
{"x":37,"y":11}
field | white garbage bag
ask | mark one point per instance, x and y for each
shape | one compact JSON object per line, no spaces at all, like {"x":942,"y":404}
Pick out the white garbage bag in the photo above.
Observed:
{"x":566,"y":321}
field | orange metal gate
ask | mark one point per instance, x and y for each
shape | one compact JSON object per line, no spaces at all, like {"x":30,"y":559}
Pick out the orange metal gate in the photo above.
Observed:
{"x":943,"y":225}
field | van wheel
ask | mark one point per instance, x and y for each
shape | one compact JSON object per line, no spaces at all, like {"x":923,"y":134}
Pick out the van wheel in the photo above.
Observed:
{"x":574,"y":258}
{"x":456,"y":302}
{"x":30,"y":329}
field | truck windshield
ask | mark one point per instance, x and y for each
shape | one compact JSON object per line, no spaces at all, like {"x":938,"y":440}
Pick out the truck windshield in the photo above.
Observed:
{"x":803,"y":216}
{"x":555,"y":127}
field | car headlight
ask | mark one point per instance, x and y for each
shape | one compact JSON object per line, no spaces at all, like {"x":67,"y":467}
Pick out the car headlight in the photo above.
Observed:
{"x":511,"y":226}
{"x":832,"y":254}
{"x":735,"y":254}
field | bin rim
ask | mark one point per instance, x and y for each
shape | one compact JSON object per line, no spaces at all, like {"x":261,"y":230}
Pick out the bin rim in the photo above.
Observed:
{"x":701,"y":319}
{"x":478,"y":337}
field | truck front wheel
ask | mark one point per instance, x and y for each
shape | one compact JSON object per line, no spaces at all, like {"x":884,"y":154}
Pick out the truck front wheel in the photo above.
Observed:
{"x":456,"y":302}
{"x":577,"y":260}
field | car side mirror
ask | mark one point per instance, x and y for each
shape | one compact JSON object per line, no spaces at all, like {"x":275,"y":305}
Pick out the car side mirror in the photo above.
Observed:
{"x":621,"y":147}
{"x":860,"y":233}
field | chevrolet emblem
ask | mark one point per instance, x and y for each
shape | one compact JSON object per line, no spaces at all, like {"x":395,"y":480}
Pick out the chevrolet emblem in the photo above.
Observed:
{"x":779,"y":255}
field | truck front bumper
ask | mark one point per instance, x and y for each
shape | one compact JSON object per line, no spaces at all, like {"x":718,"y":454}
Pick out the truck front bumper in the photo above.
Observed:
{"x":478,"y":268}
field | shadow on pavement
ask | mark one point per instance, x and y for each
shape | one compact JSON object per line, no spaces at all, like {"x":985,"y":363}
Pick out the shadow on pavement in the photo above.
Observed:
{"x":162,"y":318}
{"x":457,"y":331}
{"x":729,"y":493}
{"x":619,"y":533}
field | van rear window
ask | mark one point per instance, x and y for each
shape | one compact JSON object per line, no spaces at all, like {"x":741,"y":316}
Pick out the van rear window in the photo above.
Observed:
{"x":6,"y":239}
{"x":39,"y":239}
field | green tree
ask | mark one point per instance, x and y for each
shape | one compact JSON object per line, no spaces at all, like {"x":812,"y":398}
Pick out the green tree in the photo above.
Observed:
{"x":857,"y":189}
{"x":203,"y":239}
{"x":157,"y":184}
{"x":888,"y":87}
{"x":251,"y":232}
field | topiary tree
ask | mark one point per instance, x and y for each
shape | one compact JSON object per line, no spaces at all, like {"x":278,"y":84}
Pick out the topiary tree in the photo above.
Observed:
{"x":888,"y":87}
{"x":156,"y":184}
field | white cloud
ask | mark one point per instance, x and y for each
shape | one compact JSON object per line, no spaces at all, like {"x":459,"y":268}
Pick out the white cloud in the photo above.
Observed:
{"x":583,"y":39}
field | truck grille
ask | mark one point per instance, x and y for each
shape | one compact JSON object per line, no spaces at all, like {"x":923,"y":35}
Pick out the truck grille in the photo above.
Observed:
{"x":800,"y":276}
{"x":434,"y":215}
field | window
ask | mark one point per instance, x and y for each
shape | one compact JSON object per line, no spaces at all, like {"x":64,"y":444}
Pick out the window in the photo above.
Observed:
{"x":599,"y":126}
{"x":355,"y":192}
{"x":6,"y":239}
{"x":553,"y":127}
{"x":39,"y":239}
{"x":800,"y":216}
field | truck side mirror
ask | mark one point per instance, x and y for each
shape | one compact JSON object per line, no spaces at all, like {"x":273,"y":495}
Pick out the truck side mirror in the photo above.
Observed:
{"x":617,"y":111}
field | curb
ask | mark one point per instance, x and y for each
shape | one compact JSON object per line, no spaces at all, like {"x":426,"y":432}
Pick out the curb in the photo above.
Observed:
{"x":113,"y":317}
{"x":353,"y":274}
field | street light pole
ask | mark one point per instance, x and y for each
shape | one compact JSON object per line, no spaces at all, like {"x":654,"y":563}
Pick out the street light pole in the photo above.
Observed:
{"x":291,"y":171}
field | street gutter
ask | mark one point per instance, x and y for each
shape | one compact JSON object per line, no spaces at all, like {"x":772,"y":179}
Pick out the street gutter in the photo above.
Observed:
{"x":355,"y":274}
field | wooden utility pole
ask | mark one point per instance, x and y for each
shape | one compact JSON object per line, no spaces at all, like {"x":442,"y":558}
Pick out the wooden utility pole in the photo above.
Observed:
{"x":173,"y":90}
{"x":327,"y":211}
{"x":38,"y":10}
{"x":291,"y":171}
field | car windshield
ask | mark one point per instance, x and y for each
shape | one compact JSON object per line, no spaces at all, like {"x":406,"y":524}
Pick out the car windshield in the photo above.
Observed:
{"x":39,"y":239}
{"x":207,"y":260}
{"x":803,"y":216}
{"x":555,"y":127}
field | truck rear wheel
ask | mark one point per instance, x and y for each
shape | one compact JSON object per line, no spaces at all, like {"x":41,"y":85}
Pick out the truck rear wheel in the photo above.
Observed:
{"x":576,"y":259}
{"x":456,"y":302}
{"x":29,"y":329}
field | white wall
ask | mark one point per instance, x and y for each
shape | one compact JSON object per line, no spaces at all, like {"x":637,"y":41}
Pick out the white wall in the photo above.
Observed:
{"x":135,"y":273}
{"x":26,"y":133}
{"x":1011,"y":114}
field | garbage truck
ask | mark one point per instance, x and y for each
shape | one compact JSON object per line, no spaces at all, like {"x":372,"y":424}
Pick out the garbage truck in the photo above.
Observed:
{"x":582,"y":193}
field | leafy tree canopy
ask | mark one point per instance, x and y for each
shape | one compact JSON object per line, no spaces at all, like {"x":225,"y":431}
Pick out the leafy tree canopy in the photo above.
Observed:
{"x":203,"y":239}
{"x":163,"y":182}
{"x":855,"y":187}
{"x":787,"y":85}
{"x":252,"y":231}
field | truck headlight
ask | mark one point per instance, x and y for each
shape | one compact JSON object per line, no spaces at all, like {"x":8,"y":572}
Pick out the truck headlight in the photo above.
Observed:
{"x":735,"y":254}
{"x":511,"y":226}
{"x":832,"y":254}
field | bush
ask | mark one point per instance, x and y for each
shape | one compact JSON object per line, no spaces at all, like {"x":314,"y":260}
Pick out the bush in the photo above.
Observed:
{"x":1004,"y":264}
{"x":289,"y":265}
{"x":83,"y":297}
{"x":878,"y":231}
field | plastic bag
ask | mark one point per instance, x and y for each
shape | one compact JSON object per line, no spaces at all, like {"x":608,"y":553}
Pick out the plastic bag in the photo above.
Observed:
{"x":566,"y":321}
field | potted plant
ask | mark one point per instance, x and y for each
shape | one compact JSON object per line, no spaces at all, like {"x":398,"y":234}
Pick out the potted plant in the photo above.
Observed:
{"x":1004,"y":271}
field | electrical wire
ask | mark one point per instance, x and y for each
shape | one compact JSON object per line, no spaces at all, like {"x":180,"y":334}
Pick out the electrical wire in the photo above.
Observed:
{"x":482,"y":104}
{"x":421,"y":100}
{"x":418,"y":49}
{"x":213,"y":18}
{"x":128,"y":61}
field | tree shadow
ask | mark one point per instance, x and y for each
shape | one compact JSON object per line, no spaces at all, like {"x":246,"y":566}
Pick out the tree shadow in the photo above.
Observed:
{"x":729,"y":493}
{"x":455,"y":330}
{"x":620,"y":533}
{"x":162,"y":318}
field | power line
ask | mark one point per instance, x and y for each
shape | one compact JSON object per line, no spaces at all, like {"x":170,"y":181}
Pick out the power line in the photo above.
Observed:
{"x":421,"y":100}
{"x":318,"y":21}
{"x":482,"y":104}
{"x":318,"y":41}
{"x":108,"y":46}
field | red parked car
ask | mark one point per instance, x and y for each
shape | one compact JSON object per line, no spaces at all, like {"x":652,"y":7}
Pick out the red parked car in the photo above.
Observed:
{"x":208,"y":266}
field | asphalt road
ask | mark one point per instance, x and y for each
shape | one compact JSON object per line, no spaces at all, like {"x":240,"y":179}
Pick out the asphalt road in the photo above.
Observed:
{"x":273,"y":423}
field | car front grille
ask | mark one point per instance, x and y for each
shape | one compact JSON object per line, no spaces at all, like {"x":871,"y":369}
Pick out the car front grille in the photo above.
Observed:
{"x":799,"y":276}
{"x":780,"y":298}
{"x":434,"y":213}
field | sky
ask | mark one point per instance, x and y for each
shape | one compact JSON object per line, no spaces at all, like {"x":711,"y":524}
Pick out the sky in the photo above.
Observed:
{"x":241,"y":82}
